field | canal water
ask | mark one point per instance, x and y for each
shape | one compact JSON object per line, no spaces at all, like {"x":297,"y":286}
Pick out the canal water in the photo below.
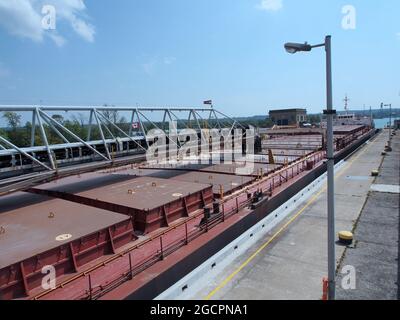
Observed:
{"x":381,"y":123}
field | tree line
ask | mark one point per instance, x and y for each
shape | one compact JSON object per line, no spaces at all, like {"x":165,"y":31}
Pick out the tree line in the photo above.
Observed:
{"x":20,"y":134}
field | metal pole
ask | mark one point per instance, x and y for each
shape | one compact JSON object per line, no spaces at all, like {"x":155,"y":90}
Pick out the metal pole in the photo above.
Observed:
{"x":33,"y":129}
{"x":89,"y":134}
{"x":131,"y":123}
{"x":90,"y":288}
{"x":44,"y":138}
{"x":130,"y":266}
{"x":331,"y":174}
{"x":390,"y":124}
{"x":161,"y":248}
{"x":101,"y":134}
{"x":186,"y":234}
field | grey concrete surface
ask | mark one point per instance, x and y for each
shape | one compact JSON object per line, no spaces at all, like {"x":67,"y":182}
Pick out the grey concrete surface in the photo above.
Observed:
{"x":375,"y":254}
{"x":293,"y":265}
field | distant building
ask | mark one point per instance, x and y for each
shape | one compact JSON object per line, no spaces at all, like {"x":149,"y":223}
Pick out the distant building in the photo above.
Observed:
{"x":397,"y":124}
{"x":288,"y":117}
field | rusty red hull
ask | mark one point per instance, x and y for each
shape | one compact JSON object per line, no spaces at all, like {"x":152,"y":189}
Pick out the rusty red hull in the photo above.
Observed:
{"x":169,"y":212}
{"x":58,"y":233}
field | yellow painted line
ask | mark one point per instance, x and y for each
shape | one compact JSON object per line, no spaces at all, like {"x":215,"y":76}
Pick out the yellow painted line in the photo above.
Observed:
{"x":229,"y":278}
{"x":266,"y":244}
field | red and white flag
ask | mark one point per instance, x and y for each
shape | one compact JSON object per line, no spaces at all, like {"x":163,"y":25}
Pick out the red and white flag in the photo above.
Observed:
{"x":135,"y":125}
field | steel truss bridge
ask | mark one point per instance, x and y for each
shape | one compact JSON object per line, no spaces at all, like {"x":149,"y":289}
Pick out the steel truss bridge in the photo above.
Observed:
{"x":62,"y":140}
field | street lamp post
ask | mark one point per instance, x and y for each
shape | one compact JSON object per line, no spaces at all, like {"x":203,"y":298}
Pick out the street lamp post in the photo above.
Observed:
{"x":390,"y":123}
{"x":329,"y":112}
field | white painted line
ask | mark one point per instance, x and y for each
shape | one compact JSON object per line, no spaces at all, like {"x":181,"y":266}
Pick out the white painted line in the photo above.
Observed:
{"x":387,"y":188}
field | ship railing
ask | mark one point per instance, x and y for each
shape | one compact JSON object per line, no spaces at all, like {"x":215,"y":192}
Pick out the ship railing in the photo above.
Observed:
{"x":267,"y":186}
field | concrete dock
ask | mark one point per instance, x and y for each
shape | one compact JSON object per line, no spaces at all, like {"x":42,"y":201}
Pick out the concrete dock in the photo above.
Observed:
{"x":293,"y":265}
{"x":375,"y":253}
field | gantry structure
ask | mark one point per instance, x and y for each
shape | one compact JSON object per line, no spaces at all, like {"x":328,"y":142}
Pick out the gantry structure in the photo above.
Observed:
{"x":55,"y":137}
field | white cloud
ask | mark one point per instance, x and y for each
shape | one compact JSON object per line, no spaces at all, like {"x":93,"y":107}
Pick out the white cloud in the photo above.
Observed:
{"x":23,"y":18}
{"x":270,"y":5}
{"x":58,"y":40}
{"x":73,"y":11}
{"x":149,"y":67}
{"x":169,"y":60}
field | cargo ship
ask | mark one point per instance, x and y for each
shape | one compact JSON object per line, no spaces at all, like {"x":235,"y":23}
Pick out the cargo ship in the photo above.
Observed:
{"x":130,"y":229}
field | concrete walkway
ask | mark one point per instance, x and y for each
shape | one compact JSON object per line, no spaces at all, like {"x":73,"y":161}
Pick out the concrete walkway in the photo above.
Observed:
{"x":293,"y":265}
{"x":375,"y":253}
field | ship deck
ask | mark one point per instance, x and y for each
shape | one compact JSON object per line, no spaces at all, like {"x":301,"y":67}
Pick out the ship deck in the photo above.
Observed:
{"x":229,"y":183}
{"x":273,"y":273}
{"x":144,"y":193}
{"x":34,"y":229}
{"x":163,"y":204}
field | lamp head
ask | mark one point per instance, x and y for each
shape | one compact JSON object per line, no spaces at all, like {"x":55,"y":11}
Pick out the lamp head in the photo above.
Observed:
{"x":297,"y":47}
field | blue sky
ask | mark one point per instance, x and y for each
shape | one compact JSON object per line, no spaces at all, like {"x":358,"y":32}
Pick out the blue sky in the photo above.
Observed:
{"x":181,"y":52}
